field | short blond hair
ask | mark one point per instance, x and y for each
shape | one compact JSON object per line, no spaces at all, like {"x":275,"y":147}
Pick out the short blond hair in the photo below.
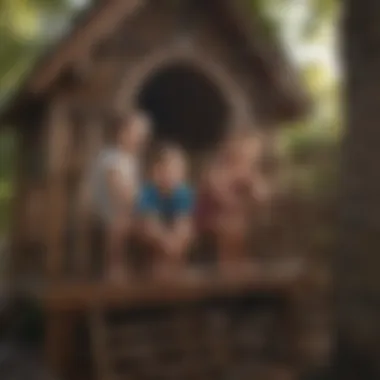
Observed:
{"x":242,"y":134}
{"x":140,"y":115}
{"x":163,"y":150}
{"x":121,"y":121}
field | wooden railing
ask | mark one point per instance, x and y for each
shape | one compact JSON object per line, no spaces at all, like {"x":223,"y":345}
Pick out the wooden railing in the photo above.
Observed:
{"x":199,"y":341}
{"x":69,"y":242}
{"x":72,"y":149}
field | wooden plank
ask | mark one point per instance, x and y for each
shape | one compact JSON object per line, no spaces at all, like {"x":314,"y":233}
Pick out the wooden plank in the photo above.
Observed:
{"x":184,"y":346}
{"x":264,"y":55}
{"x":27,"y":208}
{"x":94,"y":140}
{"x":186,"y":287}
{"x":59,"y":335}
{"x":101,"y":354}
{"x":102,"y":22}
{"x":186,"y":330}
{"x":18,"y":205}
{"x":58,"y":148}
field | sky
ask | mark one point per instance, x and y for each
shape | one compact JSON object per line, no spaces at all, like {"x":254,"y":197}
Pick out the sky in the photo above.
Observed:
{"x":321,"y":50}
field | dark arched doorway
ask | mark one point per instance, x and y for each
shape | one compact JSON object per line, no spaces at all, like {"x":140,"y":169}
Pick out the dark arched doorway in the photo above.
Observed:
{"x":185,"y":105}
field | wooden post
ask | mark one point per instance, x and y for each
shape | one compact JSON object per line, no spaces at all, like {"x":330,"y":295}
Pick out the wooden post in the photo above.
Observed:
{"x":18,"y":204}
{"x":58,"y":143}
{"x":98,"y":328}
{"x":93,"y":143}
{"x":59,"y":335}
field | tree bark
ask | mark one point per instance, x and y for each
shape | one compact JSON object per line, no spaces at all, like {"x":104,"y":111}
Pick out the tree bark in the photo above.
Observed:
{"x":358,"y":253}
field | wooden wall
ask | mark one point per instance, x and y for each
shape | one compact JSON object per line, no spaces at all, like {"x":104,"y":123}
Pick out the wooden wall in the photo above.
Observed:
{"x":75,"y":124}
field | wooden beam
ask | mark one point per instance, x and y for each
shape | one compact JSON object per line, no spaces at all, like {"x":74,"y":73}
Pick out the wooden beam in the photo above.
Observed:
{"x":99,"y":345}
{"x":17,"y":209}
{"x":263,"y":55}
{"x":58,"y":341}
{"x":101,"y":22}
{"x":94,"y":140}
{"x":58,"y":148}
{"x":187,"y":286}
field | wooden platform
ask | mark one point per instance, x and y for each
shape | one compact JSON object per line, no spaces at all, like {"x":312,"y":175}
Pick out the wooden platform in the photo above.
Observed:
{"x":280,"y":278}
{"x":67,"y":301}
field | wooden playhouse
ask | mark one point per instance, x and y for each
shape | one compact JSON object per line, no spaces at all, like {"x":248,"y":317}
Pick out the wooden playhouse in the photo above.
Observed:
{"x":200,"y":68}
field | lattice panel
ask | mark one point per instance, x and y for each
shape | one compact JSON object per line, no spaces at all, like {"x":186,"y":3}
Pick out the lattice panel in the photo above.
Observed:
{"x":190,"y":342}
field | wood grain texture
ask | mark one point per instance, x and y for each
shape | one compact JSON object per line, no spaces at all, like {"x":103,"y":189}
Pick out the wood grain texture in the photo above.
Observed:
{"x":58,"y":144}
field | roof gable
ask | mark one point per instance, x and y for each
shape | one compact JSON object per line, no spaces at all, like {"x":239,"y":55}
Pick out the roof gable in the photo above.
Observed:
{"x":107,"y":15}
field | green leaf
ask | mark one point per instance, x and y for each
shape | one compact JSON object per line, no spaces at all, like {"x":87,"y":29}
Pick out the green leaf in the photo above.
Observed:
{"x":320,"y":13}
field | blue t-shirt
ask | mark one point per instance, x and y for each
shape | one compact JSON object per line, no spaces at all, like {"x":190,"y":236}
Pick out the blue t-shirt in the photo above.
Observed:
{"x":167,"y":206}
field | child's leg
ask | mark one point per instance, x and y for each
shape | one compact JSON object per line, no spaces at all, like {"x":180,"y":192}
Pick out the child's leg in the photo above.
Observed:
{"x":231,"y":241}
{"x":167,"y":254}
{"x":169,"y":249}
{"x":176,"y":250}
{"x":116,"y":233}
{"x":169,"y":261}
{"x":180,"y":238}
{"x":150,"y":236}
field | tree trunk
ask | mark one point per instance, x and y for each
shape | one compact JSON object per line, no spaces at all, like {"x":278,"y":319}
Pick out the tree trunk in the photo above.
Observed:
{"x":358,"y":257}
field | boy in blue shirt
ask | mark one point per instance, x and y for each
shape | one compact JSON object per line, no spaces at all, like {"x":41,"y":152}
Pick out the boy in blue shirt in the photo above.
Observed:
{"x":165,"y":206}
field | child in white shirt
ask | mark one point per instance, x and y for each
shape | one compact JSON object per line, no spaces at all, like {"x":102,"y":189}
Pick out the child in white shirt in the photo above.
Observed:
{"x":116,"y":181}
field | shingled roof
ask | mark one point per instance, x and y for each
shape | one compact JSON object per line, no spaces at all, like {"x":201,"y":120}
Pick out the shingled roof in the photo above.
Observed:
{"x":259,"y":51}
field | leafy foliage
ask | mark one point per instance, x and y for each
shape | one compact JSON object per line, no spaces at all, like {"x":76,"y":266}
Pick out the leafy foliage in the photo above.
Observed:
{"x":25,"y":29}
{"x":319,"y":12}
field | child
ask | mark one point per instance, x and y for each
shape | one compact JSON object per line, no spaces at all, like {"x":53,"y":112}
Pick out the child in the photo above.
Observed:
{"x":166,"y":205}
{"x":116,"y":184}
{"x":229,"y":186}
{"x":247,"y":149}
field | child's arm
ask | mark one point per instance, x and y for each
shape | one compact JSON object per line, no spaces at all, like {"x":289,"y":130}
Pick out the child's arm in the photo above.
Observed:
{"x":259,"y":188}
{"x":120,"y":191}
{"x":215,"y":179}
{"x":153,"y":228}
{"x":180,"y":234}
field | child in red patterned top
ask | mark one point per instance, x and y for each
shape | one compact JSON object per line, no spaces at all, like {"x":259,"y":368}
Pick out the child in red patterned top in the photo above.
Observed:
{"x":230,"y":186}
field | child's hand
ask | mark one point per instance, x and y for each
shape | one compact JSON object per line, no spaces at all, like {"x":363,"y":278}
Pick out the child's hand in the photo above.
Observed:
{"x":171,"y":247}
{"x":130,"y":194}
{"x":260,"y":191}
